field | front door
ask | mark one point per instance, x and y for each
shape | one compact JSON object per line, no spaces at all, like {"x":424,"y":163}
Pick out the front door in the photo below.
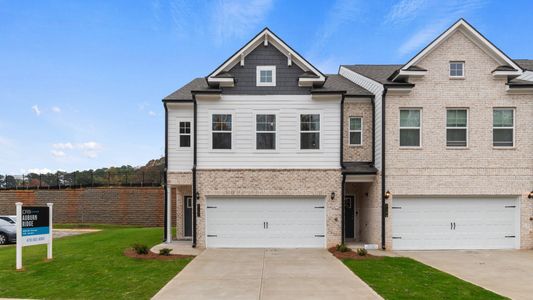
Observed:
{"x":187,"y":215}
{"x":349,"y":217}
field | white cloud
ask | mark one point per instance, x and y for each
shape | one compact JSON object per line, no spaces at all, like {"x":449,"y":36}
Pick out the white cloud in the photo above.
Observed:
{"x":342,"y":12}
{"x":56,"y":109}
{"x":63,"y":146}
{"x":57,"y":153}
{"x":152,"y":114}
{"x":38,"y":171}
{"x":90,"y":154}
{"x":405,"y":10}
{"x":89,"y":145}
{"x":442,"y":16}
{"x":237,"y":18}
{"x":36,"y":110}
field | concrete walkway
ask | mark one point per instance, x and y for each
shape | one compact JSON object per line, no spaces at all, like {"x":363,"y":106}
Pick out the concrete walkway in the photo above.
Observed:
{"x":506,"y":272}
{"x":266,"y":274}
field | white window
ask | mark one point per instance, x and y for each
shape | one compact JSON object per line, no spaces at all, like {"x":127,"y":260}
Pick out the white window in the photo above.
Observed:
{"x":266,"y":76}
{"x":265,"y":132}
{"x":221,"y":131}
{"x":457,"y":69}
{"x":410,"y":128}
{"x":309,"y":131}
{"x":356,"y":131}
{"x":456,"y":128}
{"x":503,"y":127}
{"x":185,"y":134}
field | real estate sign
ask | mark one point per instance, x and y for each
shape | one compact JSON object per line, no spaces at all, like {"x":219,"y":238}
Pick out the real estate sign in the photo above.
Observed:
{"x":35,"y":225}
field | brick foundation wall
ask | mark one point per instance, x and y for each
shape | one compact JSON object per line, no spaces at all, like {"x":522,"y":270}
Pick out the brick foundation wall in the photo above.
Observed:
{"x":122,"y":206}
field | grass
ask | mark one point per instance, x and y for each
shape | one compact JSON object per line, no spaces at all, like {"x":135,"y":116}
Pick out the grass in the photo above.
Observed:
{"x":89,"y":266}
{"x":405,"y":278}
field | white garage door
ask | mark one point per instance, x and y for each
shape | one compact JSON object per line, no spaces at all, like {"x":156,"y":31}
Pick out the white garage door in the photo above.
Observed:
{"x":265,"y":222}
{"x":455,"y":223}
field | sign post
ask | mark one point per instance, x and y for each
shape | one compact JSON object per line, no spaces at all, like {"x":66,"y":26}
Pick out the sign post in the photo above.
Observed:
{"x":34,"y":227}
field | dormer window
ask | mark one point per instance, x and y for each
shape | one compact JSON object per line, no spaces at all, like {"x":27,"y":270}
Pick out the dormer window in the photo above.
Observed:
{"x":266,"y":76}
{"x":457,"y":69}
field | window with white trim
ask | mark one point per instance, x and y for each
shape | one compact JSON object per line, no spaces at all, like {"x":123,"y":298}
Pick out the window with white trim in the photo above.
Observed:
{"x":456,"y":128}
{"x":309,"y":131}
{"x":356,"y":131}
{"x":457,"y":69}
{"x":221,"y":131}
{"x":503,"y":127}
{"x":266,"y":76}
{"x":265,"y":132}
{"x":185,"y":134}
{"x":410,"y":128}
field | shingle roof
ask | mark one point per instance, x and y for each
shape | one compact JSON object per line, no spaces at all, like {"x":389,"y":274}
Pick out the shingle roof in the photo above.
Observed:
{"x":525,"y":63}
{"x":358,"y":168}
{"x":379,"y":73}
{"x":337,"y":83}
{"x":184,"y":93}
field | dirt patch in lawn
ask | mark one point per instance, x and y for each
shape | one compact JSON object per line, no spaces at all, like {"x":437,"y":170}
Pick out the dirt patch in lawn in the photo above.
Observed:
{"x":350,"y":254}
{"x":129,"y":252}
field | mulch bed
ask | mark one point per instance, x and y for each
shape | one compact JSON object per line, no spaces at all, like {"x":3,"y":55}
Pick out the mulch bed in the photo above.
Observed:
{"x":129,"y":252}
{"x":350,"y":254}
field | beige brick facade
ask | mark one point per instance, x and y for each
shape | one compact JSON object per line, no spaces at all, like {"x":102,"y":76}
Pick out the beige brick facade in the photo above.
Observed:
{"x":479,"y":169}
{"x":363,"y":109}
{"x":273,"y":183}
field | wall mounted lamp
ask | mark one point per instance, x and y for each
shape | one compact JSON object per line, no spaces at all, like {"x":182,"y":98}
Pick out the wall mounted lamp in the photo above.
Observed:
{"x":332,"y":195}
{"x":387,"y":194}
{"x":530,"y":196}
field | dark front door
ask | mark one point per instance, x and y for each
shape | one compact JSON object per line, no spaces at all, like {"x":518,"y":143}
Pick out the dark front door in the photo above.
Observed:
{"x":349,"y":217}
{"x":187,"y":215}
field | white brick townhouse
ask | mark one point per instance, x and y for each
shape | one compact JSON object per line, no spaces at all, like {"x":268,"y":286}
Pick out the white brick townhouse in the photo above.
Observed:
{"x":435,"y":153}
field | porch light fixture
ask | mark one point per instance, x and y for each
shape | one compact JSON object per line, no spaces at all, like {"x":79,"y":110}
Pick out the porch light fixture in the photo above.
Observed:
{"x":530,"y":196}
{"x":387,"y":194}
{"x":197,"y":196}
{"x":332,"y":195}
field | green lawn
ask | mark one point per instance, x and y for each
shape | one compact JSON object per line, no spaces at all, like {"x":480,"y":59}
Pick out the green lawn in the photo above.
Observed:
{"x":405,"y":278}
{"x":89,"y":266}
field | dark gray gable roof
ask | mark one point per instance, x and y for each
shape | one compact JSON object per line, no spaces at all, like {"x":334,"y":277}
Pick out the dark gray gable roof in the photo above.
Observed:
{"x":379,"y":73}
{"x":185,"y":92}
{"x":526,"y":64}
{"x":338,"y":84}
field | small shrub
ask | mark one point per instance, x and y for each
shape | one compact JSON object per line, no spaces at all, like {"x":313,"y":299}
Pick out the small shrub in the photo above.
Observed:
{"x":140,"y":249}
{"x":362,"y":252}
{"x":165,"y":251}
{"x":342,"y":248}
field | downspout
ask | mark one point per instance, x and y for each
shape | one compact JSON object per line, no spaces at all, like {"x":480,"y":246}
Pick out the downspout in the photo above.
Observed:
{"x":165,"y":174}
{"x":342,"y":168}
{"x":373,"y":130}
{"x":383,"y":208}
{"x":194,"y":191}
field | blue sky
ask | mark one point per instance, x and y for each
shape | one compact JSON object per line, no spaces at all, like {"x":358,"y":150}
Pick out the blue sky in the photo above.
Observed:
{"x":81,"y":82}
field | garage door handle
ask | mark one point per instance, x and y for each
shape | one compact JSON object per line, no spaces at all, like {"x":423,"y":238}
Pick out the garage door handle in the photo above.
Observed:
{"x":453,"y":225}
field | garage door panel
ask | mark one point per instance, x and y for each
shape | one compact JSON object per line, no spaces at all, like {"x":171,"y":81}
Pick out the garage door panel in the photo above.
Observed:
{"x":265,"y":222}
{"x":454,"y":223}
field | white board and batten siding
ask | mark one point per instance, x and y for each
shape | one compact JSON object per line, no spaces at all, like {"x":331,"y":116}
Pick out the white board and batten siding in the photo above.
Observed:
{"x":455,"y":222}
{"x":375,"y":88}
{"x":179,"y":159}
{"x":287,"y":155}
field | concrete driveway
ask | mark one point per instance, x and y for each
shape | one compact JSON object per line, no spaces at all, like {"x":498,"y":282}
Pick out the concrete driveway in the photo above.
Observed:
{"x":506,"y":272}
{"x":266,"y":274}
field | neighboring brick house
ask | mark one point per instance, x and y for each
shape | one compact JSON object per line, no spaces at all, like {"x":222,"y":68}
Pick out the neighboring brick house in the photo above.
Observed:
{"x":436,"y":153}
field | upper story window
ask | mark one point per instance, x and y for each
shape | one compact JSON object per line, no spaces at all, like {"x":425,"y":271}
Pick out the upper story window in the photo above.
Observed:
{"x":457,"y":69}
{"x":456,"y":128}
{"x":503,"y":127}
{"x":221,"y":131}
{"x":309,"y":131}
{"x":356,"y":131}
{"x":185,"y":134}
{"x":410,"y":128}
{"x":265,"y":132}
{"x":266,"y":76}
